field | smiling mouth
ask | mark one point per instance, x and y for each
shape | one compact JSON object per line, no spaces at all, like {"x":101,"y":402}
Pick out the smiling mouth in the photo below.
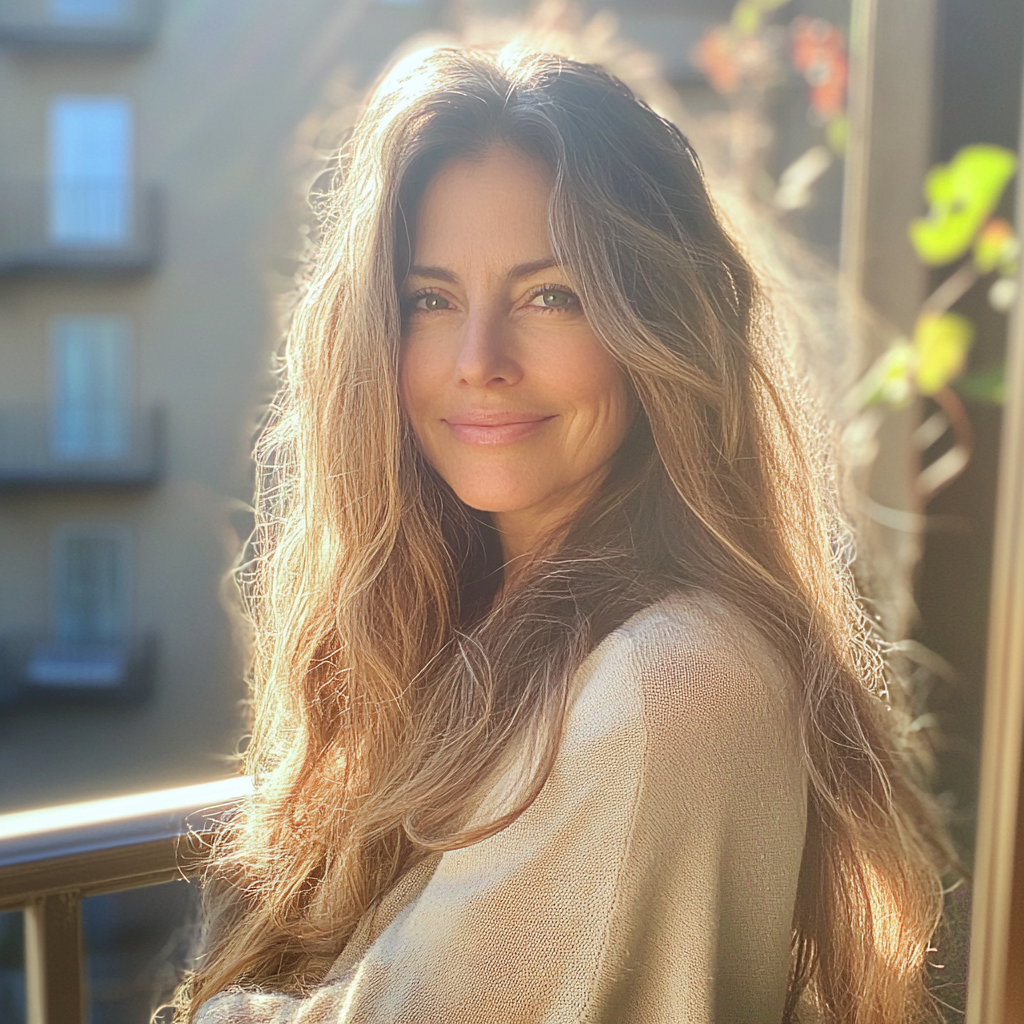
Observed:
{"x":495,"y":429}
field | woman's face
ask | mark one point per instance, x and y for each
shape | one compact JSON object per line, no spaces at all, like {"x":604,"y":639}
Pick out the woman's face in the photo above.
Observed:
{"x":513,"y":399}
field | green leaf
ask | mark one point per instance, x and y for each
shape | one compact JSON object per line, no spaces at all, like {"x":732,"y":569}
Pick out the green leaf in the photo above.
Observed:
{"x":961,"y":196}
{"x":890,"y":380}
{"x":746,"y":18}
{"x":748,"y":15}
{"x":941,"y":344}
{"x":986,"y":386}
{"x":837,"y":132}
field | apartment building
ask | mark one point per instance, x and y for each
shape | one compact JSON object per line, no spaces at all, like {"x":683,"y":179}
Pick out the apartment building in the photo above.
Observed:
{"x":148,"y":208}
{"x":145,"y":188}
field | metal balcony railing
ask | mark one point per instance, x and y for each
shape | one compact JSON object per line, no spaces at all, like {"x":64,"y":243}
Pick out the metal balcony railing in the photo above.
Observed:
{"x":51,"y":858}
{"x":38,"y":671}
{"x":78,"y":226}
{"x":40,"y":447}
{"x":78,"y":24}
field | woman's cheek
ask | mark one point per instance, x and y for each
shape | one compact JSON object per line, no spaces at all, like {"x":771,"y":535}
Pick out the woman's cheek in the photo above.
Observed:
{"x":418,"y":377}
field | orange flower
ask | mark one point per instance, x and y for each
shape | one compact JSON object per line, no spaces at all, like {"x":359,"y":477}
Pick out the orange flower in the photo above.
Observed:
{"x":819,"y":54}
{"x":716,"y":56}
{"x":996,"y":248}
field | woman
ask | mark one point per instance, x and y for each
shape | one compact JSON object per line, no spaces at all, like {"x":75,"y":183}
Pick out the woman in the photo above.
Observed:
{"x":565,"y":709}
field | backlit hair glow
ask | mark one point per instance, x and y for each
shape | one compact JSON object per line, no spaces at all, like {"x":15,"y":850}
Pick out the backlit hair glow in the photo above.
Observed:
{"x":388,"y":682}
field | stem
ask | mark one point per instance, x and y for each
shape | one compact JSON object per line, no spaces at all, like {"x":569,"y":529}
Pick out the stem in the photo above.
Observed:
{"x":953,"y":288}
{"x":947,"y":467}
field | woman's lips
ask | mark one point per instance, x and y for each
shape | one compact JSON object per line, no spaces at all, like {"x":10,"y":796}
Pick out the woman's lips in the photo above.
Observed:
{"x":494,"y":428}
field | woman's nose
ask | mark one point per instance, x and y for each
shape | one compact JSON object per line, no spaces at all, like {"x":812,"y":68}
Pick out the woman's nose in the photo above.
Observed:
{"x":486,"y":355}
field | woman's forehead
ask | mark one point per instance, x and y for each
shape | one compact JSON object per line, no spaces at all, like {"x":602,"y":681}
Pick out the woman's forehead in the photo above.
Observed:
{"x":492,"y":207}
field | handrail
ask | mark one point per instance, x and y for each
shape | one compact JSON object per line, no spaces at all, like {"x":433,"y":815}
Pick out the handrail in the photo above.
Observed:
{"x":52,"y":857}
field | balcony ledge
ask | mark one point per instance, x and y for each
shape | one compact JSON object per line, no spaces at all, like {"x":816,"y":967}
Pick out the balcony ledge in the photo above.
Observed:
{"x":30,"y":25}
{"x":89,"y":227}
{"x":31,"y":458}
{"x":37,"y":672}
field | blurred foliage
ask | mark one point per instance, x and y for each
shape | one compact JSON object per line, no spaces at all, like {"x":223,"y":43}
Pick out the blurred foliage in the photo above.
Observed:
{"x":743,"y":59}
{"x":819,"y":54}
{"x":837,"y":131}
{"x":922,"y":366}
{"x":986,"y":387}
{"x":746,"y":58}
{"x":941,"y":343}
{"x":959,"y":228}
{"x":889,"y":381}
{"x":1002,"y":294}
{"x":748,"y":16}
{"x":996,"y":248}
{"x":737,"y":62}
{"x":961,"y":196}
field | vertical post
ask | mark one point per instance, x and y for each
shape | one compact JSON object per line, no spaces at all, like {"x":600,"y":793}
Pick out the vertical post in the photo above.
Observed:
{"x":889,"y":151}
{"x":993,"y":925}
{"x":863,"y":14}
{"x":1013,"y":1008}
{"x":53,"y":960}
{"x":891,"y":114}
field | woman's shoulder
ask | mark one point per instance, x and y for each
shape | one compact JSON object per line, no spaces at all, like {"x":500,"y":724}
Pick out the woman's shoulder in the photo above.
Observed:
{"x":693,"y":655}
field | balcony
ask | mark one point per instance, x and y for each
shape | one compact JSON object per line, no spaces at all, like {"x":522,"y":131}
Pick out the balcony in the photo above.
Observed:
{"x":53,"y":857}
{"x":40,"y":672}
{"x":40,"y":449}
{"x":75,"y":227}
{"x":78,"y":24}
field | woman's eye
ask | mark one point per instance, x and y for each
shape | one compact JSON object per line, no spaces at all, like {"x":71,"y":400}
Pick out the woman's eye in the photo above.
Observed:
{"x":431,"y":302}
{"x":554,"y":298}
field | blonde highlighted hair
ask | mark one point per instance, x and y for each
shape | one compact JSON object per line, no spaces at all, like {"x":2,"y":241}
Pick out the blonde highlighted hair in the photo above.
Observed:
{"x":390,"y":677}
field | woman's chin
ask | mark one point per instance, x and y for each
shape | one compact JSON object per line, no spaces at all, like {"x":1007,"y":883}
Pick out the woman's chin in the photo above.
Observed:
{"x":495,"y":505}
{"x":498,"y":499}
{"x":487,"y":487}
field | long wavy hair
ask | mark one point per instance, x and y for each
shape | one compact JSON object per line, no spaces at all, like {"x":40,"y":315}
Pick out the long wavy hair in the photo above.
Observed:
{"x":390,"y":674}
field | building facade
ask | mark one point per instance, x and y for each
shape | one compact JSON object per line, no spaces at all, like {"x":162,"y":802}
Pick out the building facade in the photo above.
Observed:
{"x":146,"y":202}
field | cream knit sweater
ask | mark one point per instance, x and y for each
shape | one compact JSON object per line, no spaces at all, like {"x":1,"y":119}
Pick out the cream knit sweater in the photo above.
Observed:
{"x":652,"y":881}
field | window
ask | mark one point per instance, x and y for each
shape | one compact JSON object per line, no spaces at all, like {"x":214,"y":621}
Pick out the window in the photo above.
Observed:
{"x":91,"y":579}
{"x":90,"y":374}
{"x":91,"y":582}
{"x":90,"y":170}
{"x":87,"y":12}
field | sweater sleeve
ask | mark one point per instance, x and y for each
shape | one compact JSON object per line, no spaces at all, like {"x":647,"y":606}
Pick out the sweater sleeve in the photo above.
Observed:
{"x":653,"y":880}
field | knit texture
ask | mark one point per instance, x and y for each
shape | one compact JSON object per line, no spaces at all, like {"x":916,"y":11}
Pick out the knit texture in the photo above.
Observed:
{"x":652,"y":881}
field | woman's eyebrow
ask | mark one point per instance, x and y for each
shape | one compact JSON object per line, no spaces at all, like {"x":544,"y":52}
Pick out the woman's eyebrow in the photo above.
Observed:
{"x":434,"y":273}
{"x":522,"y":270}
{"x":519,"y":271}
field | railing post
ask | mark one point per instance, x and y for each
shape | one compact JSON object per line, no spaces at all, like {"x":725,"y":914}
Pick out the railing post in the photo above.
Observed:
{"x":995,"y":994}
{"x":53,"y":960}
{"x":53,"y":857}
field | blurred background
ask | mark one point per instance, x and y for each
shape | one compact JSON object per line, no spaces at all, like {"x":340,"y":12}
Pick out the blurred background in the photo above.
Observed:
{"x":156,"y":158}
